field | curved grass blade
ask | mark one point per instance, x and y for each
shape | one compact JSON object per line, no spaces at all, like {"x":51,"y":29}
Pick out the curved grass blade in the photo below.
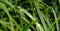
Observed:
{"x":52,"y":25}
{"x":33,"y":19}
{"x":24,"y":18}
{"x":56,"y":19}
{"x":7,"y":12}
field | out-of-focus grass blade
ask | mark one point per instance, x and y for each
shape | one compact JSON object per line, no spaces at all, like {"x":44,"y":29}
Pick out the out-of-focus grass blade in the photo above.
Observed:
{"x":47,"y":20}
{"x":4,"y":24}
{"x":52,"y":24}
{"x":29,"y":30}
{"x":24,"y":18}
{"x":59,"y":1}
{"x":33,"y":19}
{"x":27,"y":13}
{"x":28,"y":26}
{"x":10,"y":4}
{"x":42,"y":20}
{"x":56,"y":19}
{"x":6,"y":1}
{"x":40,"y":15}
{"x":6,"y":10}
{"x":39,"y":27}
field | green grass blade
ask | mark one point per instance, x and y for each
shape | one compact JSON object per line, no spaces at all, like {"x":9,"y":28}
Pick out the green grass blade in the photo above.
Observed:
{"x":32,"y":22}
{"x":7,"y":12}
{"x":56,"y":19}
{"x":40,"y":15}
{"x":39,"y":27}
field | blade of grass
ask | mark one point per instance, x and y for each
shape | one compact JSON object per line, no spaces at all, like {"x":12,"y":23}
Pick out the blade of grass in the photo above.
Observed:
{"x":24,"y":18}
{"x":40,"y":14}
{"x":7,"y":12}
{"x":4,"y":24}
{"x":6,"y":1}
{"x":56,"y":21}
{"x":59,"y":1}
{"x":57,"y":25}
{"x":48,"y":22}
{"x":9,"y":4}
{"x":32,"y":22}
{"x":39,"y":27}
{"x":47,"y":6}
{"x":52,"y":25}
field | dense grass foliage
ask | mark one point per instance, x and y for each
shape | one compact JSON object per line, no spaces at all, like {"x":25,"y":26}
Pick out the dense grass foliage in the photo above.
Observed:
{"x":29,"y":15}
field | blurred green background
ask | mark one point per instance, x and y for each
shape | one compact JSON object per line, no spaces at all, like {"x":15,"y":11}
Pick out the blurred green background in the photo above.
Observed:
{"x":29,"y":15}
